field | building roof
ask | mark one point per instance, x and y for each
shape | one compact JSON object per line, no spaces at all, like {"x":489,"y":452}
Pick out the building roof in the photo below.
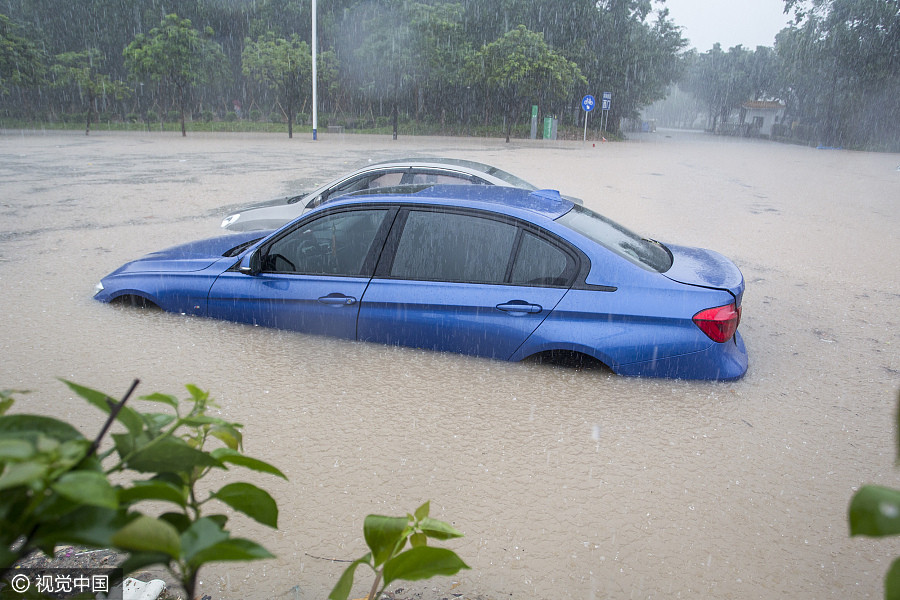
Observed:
{"x":763,"y":104}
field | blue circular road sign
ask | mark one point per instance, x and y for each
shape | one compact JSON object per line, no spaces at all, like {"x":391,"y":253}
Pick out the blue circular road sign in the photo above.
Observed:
{"x":587,"y":103}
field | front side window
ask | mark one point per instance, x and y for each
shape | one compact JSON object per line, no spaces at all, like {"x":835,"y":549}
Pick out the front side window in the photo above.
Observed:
{"x":439,"y":246}
{"x":336,"y":244}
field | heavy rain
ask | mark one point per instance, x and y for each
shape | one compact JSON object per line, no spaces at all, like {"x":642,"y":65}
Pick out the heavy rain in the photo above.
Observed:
{"x":567,"y":482}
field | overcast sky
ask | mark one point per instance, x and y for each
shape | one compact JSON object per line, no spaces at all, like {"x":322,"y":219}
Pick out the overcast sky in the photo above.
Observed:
{"x":730,"y":22}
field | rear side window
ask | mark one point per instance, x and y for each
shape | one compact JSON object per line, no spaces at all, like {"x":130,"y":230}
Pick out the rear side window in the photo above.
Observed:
{"x":540,"y":263}
{"x":439,"y":246}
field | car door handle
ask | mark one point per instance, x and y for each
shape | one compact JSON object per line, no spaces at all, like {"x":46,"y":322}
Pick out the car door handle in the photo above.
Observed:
{"x":520,"y":306}
{"x":337,"y":300}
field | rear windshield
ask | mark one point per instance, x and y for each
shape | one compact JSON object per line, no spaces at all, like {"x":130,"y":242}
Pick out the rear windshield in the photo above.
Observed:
{"x":648,"y":254}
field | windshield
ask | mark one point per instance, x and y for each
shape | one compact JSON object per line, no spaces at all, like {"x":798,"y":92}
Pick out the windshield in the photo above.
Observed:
{"x":648,"y":254}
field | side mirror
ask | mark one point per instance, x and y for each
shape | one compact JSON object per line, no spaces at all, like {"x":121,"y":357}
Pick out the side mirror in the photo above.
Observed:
{"x":251,"y":264}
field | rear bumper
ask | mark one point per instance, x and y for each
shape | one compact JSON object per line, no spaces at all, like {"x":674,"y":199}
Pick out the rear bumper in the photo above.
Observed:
{"x":720,"y":362}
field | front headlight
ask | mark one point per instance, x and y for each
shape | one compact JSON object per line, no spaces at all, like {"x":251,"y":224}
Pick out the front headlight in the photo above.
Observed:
{"x":98,"y":288}
{"x":230,"y":219}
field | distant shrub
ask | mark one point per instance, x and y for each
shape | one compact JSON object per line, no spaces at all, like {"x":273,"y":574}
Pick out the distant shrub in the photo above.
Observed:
{"x":231,"y":116}
{"x":255,"y":115}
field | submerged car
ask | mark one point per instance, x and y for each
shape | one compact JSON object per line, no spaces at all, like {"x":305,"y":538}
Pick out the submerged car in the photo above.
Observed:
{"x":503,"y":273}
{"x":405,"y":171}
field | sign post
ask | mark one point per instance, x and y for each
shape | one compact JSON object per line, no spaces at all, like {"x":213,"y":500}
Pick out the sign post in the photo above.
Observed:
{"x":607,"y":101}
{"x":587,"y":103}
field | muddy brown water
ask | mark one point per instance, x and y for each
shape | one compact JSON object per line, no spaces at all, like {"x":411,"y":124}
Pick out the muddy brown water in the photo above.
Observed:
{"x":567,"y":484}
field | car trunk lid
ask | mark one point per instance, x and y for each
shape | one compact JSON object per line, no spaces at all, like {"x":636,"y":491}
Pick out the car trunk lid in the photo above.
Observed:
{"x":705,"y":268}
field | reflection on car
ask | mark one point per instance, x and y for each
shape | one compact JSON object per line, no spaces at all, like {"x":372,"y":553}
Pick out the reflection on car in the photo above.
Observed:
{"x":405,"y":171}
{"x":503,"y":273}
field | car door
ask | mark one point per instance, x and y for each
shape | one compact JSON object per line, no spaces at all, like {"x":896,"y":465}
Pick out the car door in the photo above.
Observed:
{"x":310,"y":278}
{"x":448,"y":282}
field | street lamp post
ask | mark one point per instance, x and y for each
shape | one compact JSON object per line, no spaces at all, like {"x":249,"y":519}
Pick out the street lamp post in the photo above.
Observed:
{"x":315,"y":114}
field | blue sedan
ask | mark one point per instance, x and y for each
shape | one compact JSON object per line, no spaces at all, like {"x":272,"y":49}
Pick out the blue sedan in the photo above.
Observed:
{"x":504,"y":273}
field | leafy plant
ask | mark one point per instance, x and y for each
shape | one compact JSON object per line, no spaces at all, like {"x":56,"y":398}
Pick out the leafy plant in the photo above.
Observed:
{"x":55,"y":487}
{"x":875,"y":512}
{"x":387,"y":537}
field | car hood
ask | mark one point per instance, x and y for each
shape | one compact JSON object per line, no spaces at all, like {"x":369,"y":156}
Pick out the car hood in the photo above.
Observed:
{"x":705,"y":268}
{"x":193,"y":256}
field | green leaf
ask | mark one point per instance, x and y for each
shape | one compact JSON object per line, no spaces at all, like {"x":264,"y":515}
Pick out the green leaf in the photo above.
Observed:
{"x":422,"y":563}
{"x":17,"y":450}
{"x":342,"y":588}
{"x":227,"y":455}
{"x":86,"y":525}
{"x":170,"y":454}
{"x":875,"y":511}
{"x":22,"y":473}
{"x":146,"y":534}
{"x":87,"y":487}
{"x":423,"y":511}
{"x":892,"y":582}
{"x":418,"y":539}
{"x":231,"y":549}
{"x":438,"y":530}
{"x":162,"y":398}
{"x":383,"y":534}
{"x":228,"y":434}
{"x":30,"y":426}
{"x":201,"y":534}
{"x":250,"y":500}
{"x":153,"y":490}
{"x":130,"y":418}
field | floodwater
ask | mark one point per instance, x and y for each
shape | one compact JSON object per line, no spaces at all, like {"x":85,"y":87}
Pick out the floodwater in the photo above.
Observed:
{"x":567,"y":484}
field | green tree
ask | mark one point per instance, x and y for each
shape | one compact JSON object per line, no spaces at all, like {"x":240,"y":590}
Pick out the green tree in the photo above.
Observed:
{"x":282,"y":65}
{"x":841,"y":64}
{"x":377,"y":39}
{"x":720,"y":80}
{"x":81,"y":69}
{"x":21,"y":60}
{"x":626,"y":54}
{"x":177,"y":55}
{"x":522,"y":70}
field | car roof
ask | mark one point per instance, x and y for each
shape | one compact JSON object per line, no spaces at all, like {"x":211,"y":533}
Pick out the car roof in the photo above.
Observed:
{"x":435,"y":160}
{"x":512,"y":201}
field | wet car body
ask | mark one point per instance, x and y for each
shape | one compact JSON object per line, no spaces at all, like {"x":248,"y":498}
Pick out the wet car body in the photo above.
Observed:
{"x":391,"y":173}
{"x":502,"y":273}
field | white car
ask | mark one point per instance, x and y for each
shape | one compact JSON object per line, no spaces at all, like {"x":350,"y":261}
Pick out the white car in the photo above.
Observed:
{"x":411,"y":171}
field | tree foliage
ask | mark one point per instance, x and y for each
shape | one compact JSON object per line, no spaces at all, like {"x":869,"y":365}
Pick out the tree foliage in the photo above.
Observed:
{"x":520,"y":70}
{"x":22,"y":63}
{"x":176,"y":55}
{"x":722,"y":81}
{"x":82,"y":70}
{"x":284,"y":65}
{"x":841,"y":70}
{"x":837,"y":67}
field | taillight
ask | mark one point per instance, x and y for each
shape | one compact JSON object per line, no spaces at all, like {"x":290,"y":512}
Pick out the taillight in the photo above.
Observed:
{"x":719,"y":323}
